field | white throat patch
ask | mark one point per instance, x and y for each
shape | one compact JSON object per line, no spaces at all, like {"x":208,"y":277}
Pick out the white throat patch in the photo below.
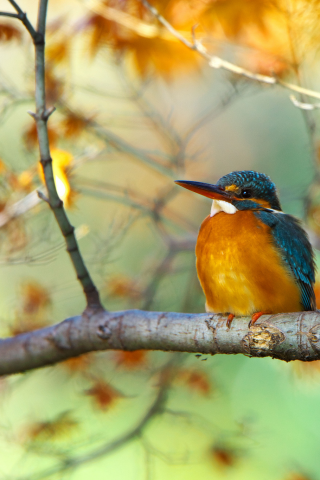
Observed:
{"x":221,"y":206}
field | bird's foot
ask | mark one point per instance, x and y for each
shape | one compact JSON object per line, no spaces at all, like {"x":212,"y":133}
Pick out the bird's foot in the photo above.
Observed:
{"x":229,"y":320}
{"x":256,"y":317}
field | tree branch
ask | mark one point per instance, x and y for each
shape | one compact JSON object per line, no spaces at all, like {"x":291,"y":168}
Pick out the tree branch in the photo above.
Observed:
{"x":22,"y":16}
{"x":217,"y":62}
{"x":41,"y":118}
{"x":287,"y":336}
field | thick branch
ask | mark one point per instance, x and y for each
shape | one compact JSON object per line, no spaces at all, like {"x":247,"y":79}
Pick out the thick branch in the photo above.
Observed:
{"x":290,"y":336}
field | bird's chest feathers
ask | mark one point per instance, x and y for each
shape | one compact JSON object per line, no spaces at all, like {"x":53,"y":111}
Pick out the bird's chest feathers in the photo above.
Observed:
{"x":228,"y":241}
{"x":238,"y":265}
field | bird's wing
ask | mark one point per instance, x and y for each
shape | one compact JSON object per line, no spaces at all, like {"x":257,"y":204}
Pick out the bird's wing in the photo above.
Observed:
{"x":295,"y":249}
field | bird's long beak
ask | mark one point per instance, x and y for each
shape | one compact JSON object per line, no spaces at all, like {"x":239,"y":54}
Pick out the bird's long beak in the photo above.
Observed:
{"x":215,"y":192}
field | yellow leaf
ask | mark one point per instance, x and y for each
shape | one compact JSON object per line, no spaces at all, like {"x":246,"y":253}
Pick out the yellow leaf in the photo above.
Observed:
{"x":61,"y":162}
{"x":3,"y":167}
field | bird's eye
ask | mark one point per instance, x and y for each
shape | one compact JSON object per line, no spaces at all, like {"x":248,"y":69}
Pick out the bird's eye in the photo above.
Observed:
{"x":246,"y":193}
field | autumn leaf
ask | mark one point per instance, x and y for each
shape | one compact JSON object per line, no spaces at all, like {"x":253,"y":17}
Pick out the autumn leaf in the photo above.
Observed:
{"x":61,"y":163}
{"x":196,"y":381}
{"x":34,"y":300}
{"x":103,"y":394}
{"x":34,"y":297}
{"x":149,"y":50}
{"x":53,"y":430}
{"x":131,"y":360}
{"x":223,"y":456}
{"x":30,"y":136}
{"x":298,"y":476}
{"x":25,"y":180}
{"x":78,"y":364}
{"x":73,"y":124}
{"x":3,"y":167}
{"x":58,"y":51}
{"x":158,"y":55}
{"x":9,"y":32}
{"x":121,"y":286}
{"x":16,"y":235}
{"x":235,"y":17}
{"x":100,"y":30}
{"x":306,"y":370}
{"x":55,"y":85}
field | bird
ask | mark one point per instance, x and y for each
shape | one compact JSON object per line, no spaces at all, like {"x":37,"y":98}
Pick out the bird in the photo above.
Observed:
{"x":251,"y":257}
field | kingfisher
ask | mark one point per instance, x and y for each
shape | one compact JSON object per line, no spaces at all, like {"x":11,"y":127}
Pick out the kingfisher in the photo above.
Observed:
{"x":251,"y":257}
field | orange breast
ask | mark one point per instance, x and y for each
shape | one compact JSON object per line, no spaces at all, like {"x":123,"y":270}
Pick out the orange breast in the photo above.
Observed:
{"x":240,"y":270}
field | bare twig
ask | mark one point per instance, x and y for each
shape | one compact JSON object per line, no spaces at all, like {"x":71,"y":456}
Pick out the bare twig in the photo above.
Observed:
{"x":43,"y":197}
{"x":22,"y":16}
{"x":8,"y":14}
{"x":303,"y":105}
{"x":217,"y":62}
{"x":41,"y":117}
{"x":19,"y":208}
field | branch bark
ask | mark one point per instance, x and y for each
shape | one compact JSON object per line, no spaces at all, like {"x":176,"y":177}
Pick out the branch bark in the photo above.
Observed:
{"x":288,"y":336}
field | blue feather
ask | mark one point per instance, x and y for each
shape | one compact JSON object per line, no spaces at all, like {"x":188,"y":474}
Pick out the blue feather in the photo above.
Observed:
{"x":296,"y":252}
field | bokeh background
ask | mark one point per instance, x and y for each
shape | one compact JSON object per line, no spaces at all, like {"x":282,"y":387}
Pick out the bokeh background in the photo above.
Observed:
{"x":136,"y":110}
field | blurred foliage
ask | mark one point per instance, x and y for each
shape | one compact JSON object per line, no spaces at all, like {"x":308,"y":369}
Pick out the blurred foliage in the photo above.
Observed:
{"x":135,"y":110}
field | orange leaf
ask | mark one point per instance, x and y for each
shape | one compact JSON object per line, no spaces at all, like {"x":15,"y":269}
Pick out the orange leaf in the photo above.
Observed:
{"x":54,"y":86}
{"x":78,"y":364}
{"x":34,"y":297}
{"x":123,"y":287}
{"x":196,"y":381}
{"x":3,"y":167}
{"x":30,"y":136}
{"x":56,"y":429}
{"x":103,"y":394}
{"x":306,"y":369}
{"x":73,"y":124}
{"x":131,"y":360}
{"x":235,"y":17}
{"x":58,"y":51}
{"x":8,"y":33}
{"x":224,"y":456}
{"x":298,"y":476}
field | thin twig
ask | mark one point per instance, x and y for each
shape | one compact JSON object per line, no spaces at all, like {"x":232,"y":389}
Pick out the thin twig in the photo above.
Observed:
{"x":217,"y":62}
{"x":8,"y":14}
{"x":20,"y":207}
{"x":22,"y":16}
{"x":303,"y":105}
{"x":41,"y":117}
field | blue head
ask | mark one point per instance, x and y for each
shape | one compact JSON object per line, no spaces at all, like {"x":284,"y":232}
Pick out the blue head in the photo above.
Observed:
{"x":246,"y":190}
{"x":253,"y":186}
